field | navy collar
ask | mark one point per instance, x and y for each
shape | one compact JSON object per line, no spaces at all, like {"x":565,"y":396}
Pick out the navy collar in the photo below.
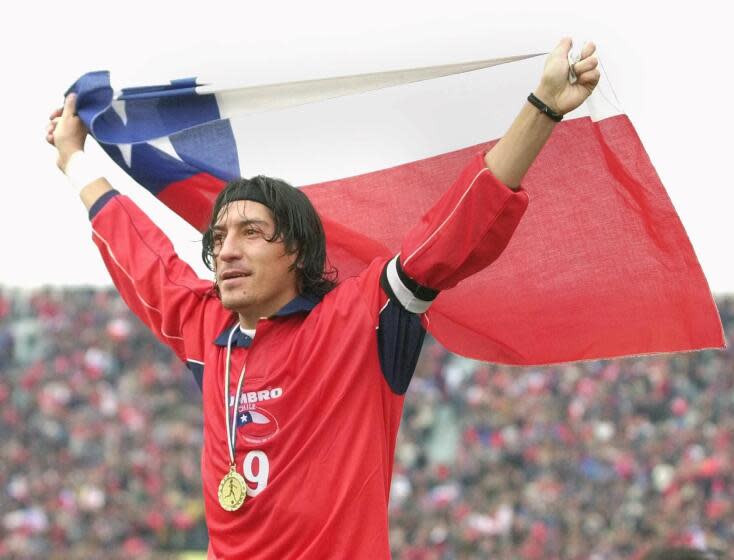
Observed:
{"x":300,"y":304}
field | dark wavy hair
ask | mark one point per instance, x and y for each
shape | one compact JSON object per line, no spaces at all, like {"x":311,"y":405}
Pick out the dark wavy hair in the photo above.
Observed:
{"x":296,"y":223}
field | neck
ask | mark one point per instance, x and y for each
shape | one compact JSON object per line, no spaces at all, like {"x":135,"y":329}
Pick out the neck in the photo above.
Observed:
{"x":248,"y":322}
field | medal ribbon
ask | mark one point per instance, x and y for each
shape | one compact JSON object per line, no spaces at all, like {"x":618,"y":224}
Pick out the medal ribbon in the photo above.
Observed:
{"x":231,"y":434}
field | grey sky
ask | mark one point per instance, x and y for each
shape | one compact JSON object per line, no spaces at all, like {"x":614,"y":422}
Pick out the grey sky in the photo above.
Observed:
{"x":669,"y":70}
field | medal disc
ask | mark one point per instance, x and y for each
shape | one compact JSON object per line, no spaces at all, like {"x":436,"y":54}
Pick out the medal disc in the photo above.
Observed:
{"x":232,"y":490}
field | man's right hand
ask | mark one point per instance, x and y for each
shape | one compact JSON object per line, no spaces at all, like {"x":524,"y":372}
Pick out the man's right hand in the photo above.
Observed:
{"x":66,"y":131}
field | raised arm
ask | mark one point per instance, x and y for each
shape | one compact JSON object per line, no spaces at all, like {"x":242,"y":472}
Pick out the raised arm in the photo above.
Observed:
{"x":512,"y":156}
{"x":156,"y":284}
{"x":472,"y":223}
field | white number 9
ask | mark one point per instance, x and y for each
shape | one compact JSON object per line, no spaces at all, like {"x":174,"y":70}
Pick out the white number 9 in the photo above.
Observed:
{"x":263,"y":471}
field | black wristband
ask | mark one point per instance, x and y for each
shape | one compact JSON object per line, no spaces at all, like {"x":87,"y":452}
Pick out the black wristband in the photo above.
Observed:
{"x":550,"y":113}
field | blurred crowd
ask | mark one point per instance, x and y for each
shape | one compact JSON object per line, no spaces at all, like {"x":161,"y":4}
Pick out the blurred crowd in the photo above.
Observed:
{"x":101,"y":433}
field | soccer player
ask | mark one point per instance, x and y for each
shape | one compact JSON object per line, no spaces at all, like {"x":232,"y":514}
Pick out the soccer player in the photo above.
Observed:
{"x":302,"y":378}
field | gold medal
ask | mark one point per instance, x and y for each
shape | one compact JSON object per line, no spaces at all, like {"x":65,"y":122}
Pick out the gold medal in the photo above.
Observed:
{"x":232,"y":490}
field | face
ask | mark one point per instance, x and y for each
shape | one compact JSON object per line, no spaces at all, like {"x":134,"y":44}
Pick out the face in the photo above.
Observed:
{"x":254,"y":275}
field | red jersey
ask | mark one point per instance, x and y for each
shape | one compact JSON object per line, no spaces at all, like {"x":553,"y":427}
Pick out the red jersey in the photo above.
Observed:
{"x":322,"y":398}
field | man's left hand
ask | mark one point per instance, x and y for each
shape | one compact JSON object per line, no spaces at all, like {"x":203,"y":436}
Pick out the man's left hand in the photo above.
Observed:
{"x":555,"y":89}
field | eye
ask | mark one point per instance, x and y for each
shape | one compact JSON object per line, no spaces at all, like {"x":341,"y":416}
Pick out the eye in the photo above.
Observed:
{"x":252,"y":232}
{"x":218,"y":239}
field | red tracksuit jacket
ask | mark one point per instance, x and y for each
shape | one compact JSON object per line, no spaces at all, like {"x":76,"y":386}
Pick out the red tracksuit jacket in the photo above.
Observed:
{"x":324,"y":383}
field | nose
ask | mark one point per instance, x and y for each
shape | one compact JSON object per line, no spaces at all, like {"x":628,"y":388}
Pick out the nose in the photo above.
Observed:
{"x":230,"y":249}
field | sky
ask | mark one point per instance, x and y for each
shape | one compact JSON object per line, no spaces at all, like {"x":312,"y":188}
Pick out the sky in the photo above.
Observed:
{"x":669,"y":68}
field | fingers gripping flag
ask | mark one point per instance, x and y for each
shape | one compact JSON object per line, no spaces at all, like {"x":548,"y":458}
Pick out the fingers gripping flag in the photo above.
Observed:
{"x":599,"y":267}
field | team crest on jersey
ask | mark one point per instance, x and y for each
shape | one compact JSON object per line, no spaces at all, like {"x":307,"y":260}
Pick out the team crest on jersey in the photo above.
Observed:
{"x":257,"y":424}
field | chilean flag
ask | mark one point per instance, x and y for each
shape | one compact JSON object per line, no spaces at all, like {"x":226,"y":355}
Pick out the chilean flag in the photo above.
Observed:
{"x":599,"y":267}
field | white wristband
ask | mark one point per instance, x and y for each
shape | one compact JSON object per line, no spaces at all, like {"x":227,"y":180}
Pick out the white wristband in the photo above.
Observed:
{"x":81,"y":170}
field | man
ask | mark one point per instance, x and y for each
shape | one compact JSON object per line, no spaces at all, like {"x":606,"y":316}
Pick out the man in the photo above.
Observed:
{"x":302,"y":381}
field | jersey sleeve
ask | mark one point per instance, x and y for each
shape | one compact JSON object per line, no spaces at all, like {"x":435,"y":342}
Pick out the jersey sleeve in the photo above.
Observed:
{"x":159,"y":287}
{"x":464,"y":232}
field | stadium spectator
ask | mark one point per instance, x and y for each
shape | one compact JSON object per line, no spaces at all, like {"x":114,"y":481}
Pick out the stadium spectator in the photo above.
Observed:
{"x":600,"y":460}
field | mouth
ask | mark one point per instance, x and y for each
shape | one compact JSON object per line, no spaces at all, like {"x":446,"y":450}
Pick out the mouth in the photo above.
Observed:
{"x":233,"y":276}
